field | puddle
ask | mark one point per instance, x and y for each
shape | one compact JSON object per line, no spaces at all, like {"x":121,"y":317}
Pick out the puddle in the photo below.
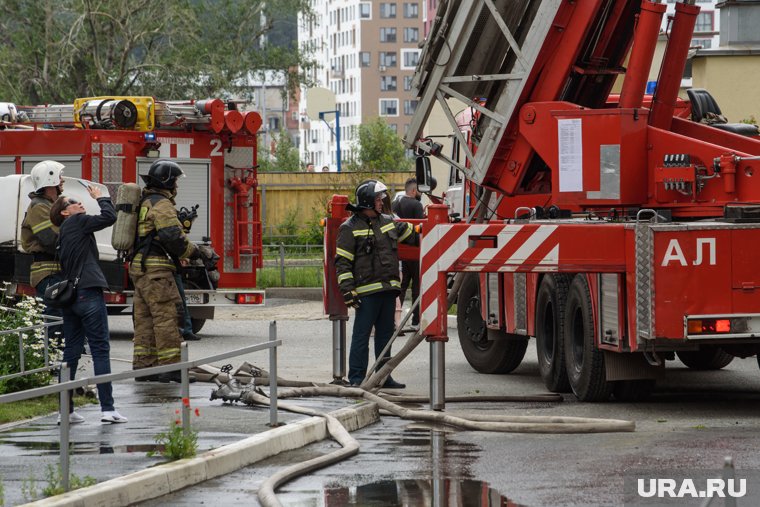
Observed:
{"x":83,"y":447}
{"x":417,"y":493}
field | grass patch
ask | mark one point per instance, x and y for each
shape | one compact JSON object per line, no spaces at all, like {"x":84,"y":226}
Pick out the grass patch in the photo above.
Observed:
{"x":44,"y":405}
{"x":294,"y":277}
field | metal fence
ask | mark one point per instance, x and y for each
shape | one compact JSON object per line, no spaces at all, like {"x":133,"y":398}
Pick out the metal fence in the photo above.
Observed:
{"x":44,"y":326}
{"x":64,"y":388}
{"x":284,"y":256}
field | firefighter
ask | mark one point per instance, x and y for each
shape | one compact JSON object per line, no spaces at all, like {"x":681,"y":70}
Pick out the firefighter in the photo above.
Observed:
{"x":39,"y":236}
{"x":160,"y":248}
{"x":367,"y":267}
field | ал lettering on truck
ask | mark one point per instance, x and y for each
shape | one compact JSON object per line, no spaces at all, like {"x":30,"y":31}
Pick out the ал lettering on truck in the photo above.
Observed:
{"x":110,"y":141}
{"x":618,"y":229}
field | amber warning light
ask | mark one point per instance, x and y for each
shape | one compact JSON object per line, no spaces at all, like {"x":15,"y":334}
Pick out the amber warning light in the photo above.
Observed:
{"x":709,"y":326}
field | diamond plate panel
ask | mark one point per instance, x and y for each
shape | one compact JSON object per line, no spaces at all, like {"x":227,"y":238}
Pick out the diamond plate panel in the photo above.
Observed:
{"x":610,"y":320}
{"x":644,"y":285}
{"x":521,"y":305}
{"x":241,"y":157}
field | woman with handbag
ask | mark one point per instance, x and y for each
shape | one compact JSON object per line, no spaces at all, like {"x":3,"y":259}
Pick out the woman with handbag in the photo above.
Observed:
{"x":86,"y":315}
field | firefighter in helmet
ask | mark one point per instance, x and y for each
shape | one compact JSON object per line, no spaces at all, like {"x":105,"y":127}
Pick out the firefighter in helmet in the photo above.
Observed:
{"x":39,"y":236}
{"x":160,"y":248}
{"x":366,"y":263}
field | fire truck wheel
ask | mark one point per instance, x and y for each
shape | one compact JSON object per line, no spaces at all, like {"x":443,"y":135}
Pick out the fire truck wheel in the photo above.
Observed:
{"x":550,"y":308}
{"x":501,"y":355}
{"x":633,"y":390}
{"x":197,"y":324}
{"x":585,"y":363}
{"x":706,"y":358}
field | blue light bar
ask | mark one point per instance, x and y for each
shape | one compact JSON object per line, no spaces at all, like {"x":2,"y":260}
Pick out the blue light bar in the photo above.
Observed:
{"x":150,"y":137}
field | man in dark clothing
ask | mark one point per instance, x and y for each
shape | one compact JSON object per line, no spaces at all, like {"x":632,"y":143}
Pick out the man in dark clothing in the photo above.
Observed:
{"x":366,"y":263}
{"x":87,"y":316}
{"x":409,"y":206}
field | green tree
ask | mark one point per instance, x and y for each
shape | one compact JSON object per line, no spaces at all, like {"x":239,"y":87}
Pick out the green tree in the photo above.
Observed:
{"x":380,"y":148}
{"x":56,"y":50}
{"x":280,"y":156}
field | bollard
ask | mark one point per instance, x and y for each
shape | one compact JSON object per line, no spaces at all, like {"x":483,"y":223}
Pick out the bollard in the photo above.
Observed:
{"x":339,"y":350}
{"x":437,"y":375}
{"x":273,"y":376}
{"x":185,"y":388}
{"x":64,"y":413}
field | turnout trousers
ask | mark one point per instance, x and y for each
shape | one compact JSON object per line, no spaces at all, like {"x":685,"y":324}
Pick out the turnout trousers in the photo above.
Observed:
{"x":155,"y":315}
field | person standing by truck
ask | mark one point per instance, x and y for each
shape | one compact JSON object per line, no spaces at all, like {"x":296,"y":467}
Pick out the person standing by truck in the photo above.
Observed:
{"x":161,"y":247}
{"x":410,"y":206}
{"x":39,"y":235}
{"x":87,"y":315}
{"x":366,"y":263}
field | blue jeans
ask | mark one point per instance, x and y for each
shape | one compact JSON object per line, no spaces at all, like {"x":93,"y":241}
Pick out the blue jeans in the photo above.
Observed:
{"x":88,"y":317}
{"x":187,"y":327}
{"x":376,"y":310}
{"x":55,"y":333}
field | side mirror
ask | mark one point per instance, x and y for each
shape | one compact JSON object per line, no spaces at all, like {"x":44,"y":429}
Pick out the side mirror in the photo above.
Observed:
{"x":423,"y":174}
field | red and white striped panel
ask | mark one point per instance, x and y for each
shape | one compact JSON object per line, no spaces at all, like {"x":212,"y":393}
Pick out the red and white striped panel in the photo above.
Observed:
{"x":174,"y":147}
{"x":445,"y":248}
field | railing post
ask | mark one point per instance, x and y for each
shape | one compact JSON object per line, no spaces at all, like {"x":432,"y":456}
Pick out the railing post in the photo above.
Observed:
{"x":273,"y":376}
{"x":185,"y":389}
{"x":282,"y":264}
{"x":21,"y":357}
{"x":64,"y":413}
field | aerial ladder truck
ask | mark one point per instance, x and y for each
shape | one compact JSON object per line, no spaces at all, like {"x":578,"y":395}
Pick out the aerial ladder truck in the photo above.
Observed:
{"x":619,"y":230}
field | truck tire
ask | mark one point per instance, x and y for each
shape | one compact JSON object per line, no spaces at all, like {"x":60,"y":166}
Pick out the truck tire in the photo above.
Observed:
{"x":633,"y":390}
{"x":550,"y":309}
{"x":197,"y":324}
{"x":585,"y":363}
{"x":709,"y":357}
{"x":501,"y":355}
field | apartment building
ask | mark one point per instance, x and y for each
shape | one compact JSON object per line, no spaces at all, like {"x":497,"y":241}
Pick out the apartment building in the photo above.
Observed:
{"x":367,"y":51}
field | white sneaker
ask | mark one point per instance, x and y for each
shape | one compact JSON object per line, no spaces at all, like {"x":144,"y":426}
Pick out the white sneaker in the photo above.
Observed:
{"x":112,"y":417}
{"x":74,"y":418}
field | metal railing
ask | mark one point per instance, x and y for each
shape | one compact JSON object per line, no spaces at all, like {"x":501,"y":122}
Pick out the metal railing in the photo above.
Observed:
{"x":47,"y":322}
{"x":297,"y":262}
{"x":64,"y":388}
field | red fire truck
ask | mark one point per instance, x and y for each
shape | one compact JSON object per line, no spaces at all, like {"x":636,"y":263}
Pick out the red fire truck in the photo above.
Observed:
{"x":611,"y":228}
{"x":110,"y":141}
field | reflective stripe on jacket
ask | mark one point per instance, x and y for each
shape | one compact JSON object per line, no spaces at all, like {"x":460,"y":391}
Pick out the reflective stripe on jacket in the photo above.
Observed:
{"x":366,"y":257}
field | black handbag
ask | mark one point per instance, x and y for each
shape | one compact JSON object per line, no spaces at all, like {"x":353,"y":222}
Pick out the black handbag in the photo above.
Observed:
{"x":63,"y":293}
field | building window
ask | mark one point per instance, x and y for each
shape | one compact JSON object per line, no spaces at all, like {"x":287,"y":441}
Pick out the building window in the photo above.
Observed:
{"x":388,"y":107}
{"x":387,"y":58}
{"x":387,"y":35}
{"x":704,"y":22}
{"x":393,"y":127}
{"x":409,"y":58}
{"x":702,"y":43}
{"x":411,"y":34}
{"x":364,"y":58}
{"x":408,"y":83}
{"x":387,"y":10}
{"x":365,"y":10}
{"x":388,"y":83}
{"x":409,"y":107}
{"x":411,"y":10}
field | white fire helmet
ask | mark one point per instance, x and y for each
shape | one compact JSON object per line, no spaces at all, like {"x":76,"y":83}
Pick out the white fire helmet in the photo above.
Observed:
{"x":47,"y":173}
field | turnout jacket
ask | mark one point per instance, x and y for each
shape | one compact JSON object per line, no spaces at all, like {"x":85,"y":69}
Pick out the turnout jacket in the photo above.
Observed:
{"x":39,"y":237}
{"x":366,"y":259}
{"x":160,"y":238}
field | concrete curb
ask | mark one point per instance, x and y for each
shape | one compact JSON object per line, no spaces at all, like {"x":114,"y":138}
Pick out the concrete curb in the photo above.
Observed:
{"x":167,"y":478}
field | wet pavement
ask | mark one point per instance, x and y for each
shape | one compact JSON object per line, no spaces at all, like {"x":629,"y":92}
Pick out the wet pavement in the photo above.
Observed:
{"x":694,"y":420}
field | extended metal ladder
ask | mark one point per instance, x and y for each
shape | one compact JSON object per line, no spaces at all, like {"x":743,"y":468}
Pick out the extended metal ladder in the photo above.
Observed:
{"x":480,"y":52}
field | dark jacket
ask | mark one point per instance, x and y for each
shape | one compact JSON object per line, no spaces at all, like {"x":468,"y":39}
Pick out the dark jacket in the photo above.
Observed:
{"x":408,"y":207}
{"x":367,"y":253}
{"x":78,"y":248}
